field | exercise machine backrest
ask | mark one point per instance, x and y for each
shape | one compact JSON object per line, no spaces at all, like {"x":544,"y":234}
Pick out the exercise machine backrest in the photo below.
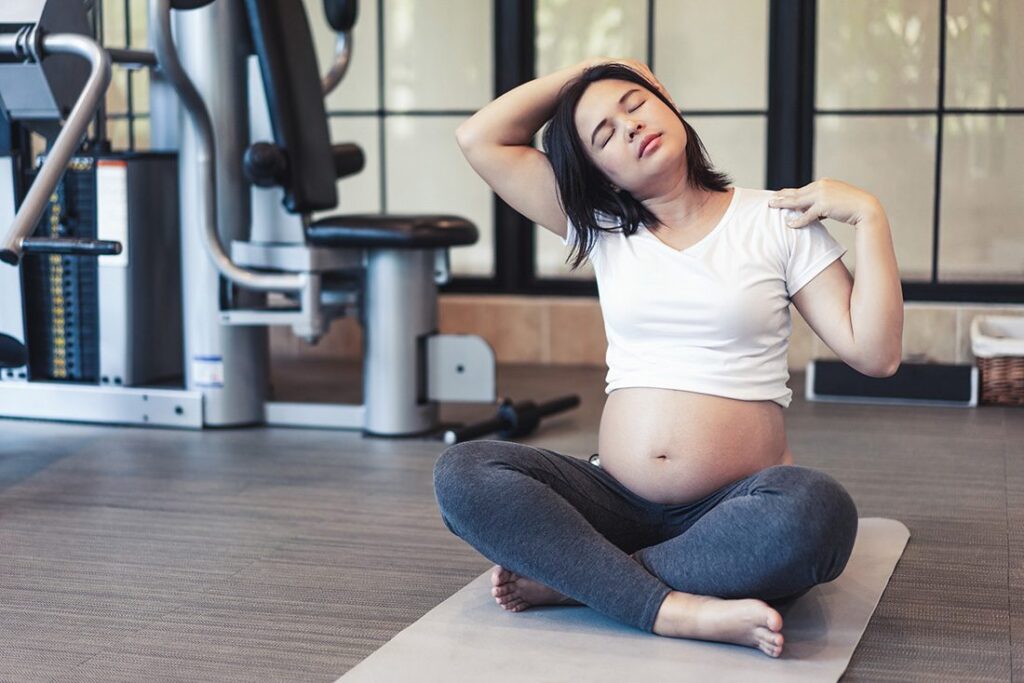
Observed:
{"x":283,"y":43}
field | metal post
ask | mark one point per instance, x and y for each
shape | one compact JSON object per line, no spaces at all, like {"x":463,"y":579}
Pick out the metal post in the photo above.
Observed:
{"x":399,"y":312}
{"x":227,"y":363}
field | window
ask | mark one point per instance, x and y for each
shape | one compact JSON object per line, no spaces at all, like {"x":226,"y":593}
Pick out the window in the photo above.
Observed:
{"x":919,"y":101}
{"x":915,"y":102}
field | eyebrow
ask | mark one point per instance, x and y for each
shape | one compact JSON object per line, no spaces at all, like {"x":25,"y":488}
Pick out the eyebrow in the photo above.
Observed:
{"x":605,"y":120}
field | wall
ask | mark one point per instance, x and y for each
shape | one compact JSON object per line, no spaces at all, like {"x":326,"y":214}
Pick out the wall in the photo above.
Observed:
{"x":569,"y":331}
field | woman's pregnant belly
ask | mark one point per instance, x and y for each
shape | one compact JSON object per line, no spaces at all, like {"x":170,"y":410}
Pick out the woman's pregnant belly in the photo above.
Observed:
{"x":675,"y":447}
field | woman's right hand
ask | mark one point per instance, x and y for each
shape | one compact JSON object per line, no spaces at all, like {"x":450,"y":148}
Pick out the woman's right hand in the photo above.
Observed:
{"x":636,"y":65}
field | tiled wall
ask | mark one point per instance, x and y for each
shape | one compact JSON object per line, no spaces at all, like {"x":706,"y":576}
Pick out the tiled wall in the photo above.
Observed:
{"x":570,"y":331}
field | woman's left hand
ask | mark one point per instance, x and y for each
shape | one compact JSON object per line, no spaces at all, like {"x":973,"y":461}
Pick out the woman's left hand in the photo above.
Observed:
{"x":826,"y":198}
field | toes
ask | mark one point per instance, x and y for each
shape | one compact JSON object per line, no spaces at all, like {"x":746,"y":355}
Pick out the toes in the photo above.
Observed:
{"x":515,"y":605}
{"x":768,"y":637}
{"x":769,"y":645}
{"x":773,"y":621}
{"x":501,"y":576}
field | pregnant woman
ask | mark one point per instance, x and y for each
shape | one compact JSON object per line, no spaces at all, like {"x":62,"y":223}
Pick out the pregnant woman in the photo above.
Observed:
{"x":692,"y":520}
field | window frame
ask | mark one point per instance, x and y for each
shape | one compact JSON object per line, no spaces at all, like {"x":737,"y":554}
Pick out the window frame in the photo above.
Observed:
{"x":792,"y":46}
{"x":791,"y":112}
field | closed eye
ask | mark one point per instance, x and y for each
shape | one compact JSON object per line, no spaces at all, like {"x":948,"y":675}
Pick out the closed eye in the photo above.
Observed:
{"x":611,"y":136}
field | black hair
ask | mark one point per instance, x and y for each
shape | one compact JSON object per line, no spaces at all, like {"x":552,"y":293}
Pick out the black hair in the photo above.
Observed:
{"x":584,"y":189}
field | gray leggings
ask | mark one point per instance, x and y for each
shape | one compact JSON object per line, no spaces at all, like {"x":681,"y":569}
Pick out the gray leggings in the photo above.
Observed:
{"x":570,"y":525}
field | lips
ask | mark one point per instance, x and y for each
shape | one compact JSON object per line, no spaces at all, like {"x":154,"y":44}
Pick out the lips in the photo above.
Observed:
{"x":647,"y":140}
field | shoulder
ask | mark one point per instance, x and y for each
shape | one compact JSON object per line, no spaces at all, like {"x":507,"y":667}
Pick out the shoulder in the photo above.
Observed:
{"x":753,"y":213}
{"x":601,"y":219}
{"x":754,"y":203}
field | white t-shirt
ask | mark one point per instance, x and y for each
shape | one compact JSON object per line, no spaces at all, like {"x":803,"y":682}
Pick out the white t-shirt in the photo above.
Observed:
{"x":713,"y":318}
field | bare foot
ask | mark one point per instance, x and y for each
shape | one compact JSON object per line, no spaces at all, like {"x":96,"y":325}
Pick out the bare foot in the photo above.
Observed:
{"x":515,"y":593}
{"x":682,"y":615}
{"x":744,"y":622}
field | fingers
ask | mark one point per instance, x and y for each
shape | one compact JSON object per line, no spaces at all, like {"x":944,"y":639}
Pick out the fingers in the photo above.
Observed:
{"x":801,"y":199}
{"x":788,"y":199}
{"x":804,"y":219}
{"x":811,"y":191}
{"x":809,"y":210}
{"x":797,"y":192}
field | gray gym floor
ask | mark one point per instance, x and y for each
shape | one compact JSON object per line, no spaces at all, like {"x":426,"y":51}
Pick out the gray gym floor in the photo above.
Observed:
{"x":284,"y":554}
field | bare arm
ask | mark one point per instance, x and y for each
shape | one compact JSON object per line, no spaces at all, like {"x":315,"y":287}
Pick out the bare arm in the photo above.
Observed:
{"x":876,"y":303}
{"x":497,"y":142}
{"x":515,"y":117}
{"x":861,"y":320}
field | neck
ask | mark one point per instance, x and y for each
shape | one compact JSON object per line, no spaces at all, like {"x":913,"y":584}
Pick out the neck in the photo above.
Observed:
{"x":680,"y":207}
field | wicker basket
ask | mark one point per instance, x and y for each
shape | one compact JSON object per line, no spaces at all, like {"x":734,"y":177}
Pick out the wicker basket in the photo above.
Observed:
{"x":998,"y":345}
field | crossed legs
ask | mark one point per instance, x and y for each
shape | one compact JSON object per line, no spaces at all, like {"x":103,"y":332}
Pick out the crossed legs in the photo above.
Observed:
{"x":564,"y":531}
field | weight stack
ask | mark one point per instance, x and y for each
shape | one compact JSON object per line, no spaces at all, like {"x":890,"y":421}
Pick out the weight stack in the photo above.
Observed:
{"x":61,"y":293}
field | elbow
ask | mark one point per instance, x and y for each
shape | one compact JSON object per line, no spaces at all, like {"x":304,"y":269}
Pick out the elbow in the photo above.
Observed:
{"x":887,"y":368}
{"x":891,"y":369}
{"x":463,"y":136}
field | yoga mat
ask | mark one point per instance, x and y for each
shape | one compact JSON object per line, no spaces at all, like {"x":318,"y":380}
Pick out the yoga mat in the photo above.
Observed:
{"x":469,"y":637}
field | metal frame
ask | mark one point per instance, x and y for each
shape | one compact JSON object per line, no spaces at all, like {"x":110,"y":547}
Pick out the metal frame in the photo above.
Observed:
{"x":100,"y":404}
{"x":69,"y":138}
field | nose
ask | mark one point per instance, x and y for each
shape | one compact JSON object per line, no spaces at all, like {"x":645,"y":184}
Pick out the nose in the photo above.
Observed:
{"x":634,"y":128}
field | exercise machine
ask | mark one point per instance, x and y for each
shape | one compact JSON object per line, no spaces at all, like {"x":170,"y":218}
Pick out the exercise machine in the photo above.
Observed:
{"x":247,"y":254}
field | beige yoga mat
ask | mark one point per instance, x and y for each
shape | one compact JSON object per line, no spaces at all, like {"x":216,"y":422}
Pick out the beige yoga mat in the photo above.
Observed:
{"x":468,"y":637}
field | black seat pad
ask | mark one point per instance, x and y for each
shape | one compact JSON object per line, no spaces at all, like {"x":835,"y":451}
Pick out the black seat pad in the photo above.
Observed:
{"x":393,"y":231}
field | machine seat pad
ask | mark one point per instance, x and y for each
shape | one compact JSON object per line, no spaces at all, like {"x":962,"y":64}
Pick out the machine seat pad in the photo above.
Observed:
{"x":391,"y":231}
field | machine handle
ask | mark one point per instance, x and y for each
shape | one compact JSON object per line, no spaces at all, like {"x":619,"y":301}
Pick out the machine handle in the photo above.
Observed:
{"x":167,"y":57}
{"x":67,"y":141}
{"x":131,"y":58}
{"x":341,"y":15}
{"x":75,"y":246}
{"x":348,"y":159}
{"x":342,"y":55}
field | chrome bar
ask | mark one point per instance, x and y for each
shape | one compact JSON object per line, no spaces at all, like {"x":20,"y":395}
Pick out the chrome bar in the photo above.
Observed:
{"x":9,"y":44}
{"x":128,"y":57}
{"x":66,"y":144}
{"x":342,"y":55}
{"x":170,"y":65}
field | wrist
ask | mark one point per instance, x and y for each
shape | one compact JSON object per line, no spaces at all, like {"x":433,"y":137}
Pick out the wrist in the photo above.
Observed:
{"x":872,"y":212}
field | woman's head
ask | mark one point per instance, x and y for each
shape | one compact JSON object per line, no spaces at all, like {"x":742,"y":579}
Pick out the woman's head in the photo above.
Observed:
{"x":593,"y":142}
